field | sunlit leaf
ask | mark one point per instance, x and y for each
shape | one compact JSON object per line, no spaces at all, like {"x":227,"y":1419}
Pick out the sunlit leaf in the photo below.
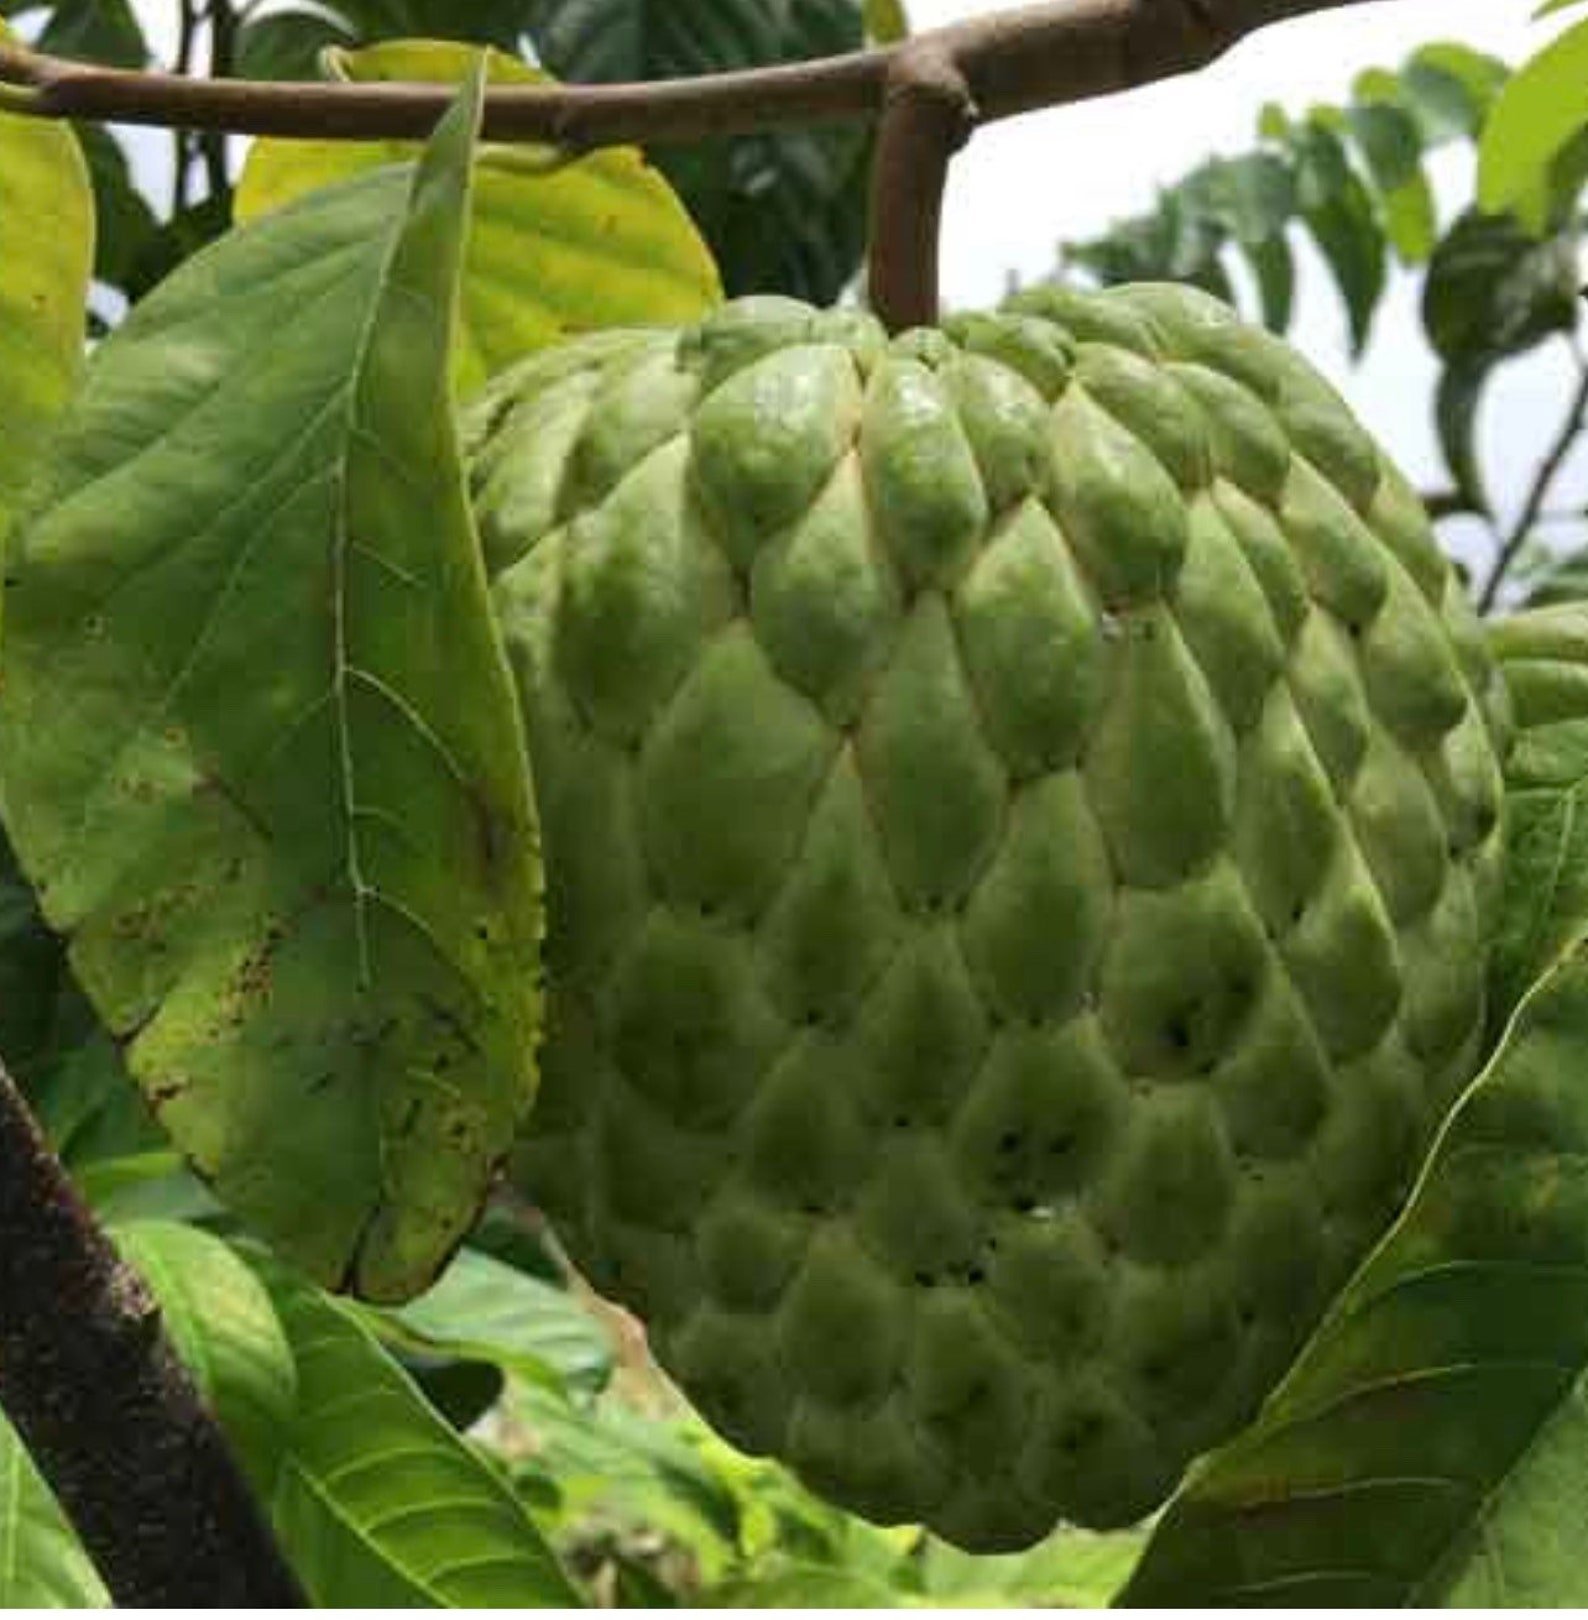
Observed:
{"x":483,"y":1310}
{"x":46,"y":250}
{"x":1543,"y":106}
{"x":42,"y":1563}
{"x":379,"y":1504}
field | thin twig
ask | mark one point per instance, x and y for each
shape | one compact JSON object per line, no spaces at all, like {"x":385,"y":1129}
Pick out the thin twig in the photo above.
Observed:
{"x":927,"y":116}
{"x":1571,"y":430}
{"x":1013,"y":62}
{"x":105,"y":1409}
{"x":213,"y":142}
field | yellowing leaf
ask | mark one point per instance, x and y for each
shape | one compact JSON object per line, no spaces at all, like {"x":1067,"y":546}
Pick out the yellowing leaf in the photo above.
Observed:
{"x":553,"y":251}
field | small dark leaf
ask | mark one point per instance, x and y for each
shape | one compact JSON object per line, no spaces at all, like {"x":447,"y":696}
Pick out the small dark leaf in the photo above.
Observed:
{"x":1274,"y":269}
{"x":782,"y":213}
{"x":502,"y":23}
{"x":1338,"y":209}
{"x":1259,"y":195}
{"x":461,"y":1391}
{"x":287,"y":45}
{"x":1493,"y":290}
{"x":1391,"y":144}
{"x":104,"y":31}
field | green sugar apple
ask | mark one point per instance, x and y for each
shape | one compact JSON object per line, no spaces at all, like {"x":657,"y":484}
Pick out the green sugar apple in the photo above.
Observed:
{"x":1022,"y":825}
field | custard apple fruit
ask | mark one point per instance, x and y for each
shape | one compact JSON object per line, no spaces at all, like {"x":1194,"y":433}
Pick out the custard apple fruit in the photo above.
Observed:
{"x":1022,"y":826}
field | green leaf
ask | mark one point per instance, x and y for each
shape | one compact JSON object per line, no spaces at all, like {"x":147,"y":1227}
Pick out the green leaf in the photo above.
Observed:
{"x":174,"y":240}
{"x":1274,"y":270}
{"x":612,"y":1462}
{"x":1339,"y":213}
{"x":483,"y":1310}
{"x":1431,"y":1445}
{"x":887,"y":22}
{"x":125,"y":220}
{"x":379,"y":1504}
{"x":1543,"y":655}
{"x":287,"y":44}
{"x":1540,"y":110}
{"x":224,"y":1327}
{"x":1258,"y":194}
{"x":1389,"y":140}
{"x":1493,"y":291}
{"x":482,"y":22}
{"x":1071,"y":1569}
{"x":260,"y":747}
{"x":1449,"y":88}
{"x":105,"y":31}
{"x":46,"y":251}
{"x":154,"y":1185}
{"x":1457,"y":397}
{"x":42,"y":1563}
{"x":601,"y":242}
{"x":783,"y":213}
{"x":788,"y":1584}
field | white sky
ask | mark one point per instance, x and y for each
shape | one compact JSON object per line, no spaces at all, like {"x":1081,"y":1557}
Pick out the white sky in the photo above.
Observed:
{"x":1024,"y":184}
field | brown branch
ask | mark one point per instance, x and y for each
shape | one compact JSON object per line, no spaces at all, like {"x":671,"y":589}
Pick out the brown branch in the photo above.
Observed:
{"x":927,"y":116}
{"x":1013,"y":62}
{"x":1571,"y":429}
{"x":105,"y":1409}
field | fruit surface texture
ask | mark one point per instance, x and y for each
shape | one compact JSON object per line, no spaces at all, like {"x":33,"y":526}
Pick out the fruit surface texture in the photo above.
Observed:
{"x":1023,"y":828}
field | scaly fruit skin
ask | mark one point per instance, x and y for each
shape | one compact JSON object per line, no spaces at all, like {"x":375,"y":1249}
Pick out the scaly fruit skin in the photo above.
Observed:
{"x":1022,"y":830}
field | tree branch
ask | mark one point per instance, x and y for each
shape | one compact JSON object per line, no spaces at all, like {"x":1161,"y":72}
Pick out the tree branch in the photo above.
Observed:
{"x":1571,"y":430}
{"x":927,"y":116}
{"x":107,"y":1411}
{"x":1013,"y":62}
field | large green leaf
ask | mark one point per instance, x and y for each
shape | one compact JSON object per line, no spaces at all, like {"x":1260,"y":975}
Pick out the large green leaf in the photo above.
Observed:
{"x":483,"y":1310}
{"x":42,"y":1563}
{"x":260,"y":750}
{"x":1431,"y":1445}
{"x":224,"y":1327}
{"x":1540,"y":110}
{"x":601,"y":242}
{"x":46,"y":251}
{"x":379,"y":1504}
{"x":783,"y":213}
{"x":1544,"y":657}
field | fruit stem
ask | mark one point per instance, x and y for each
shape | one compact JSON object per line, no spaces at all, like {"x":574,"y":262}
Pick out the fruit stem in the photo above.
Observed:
{"x":928,"y":113}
